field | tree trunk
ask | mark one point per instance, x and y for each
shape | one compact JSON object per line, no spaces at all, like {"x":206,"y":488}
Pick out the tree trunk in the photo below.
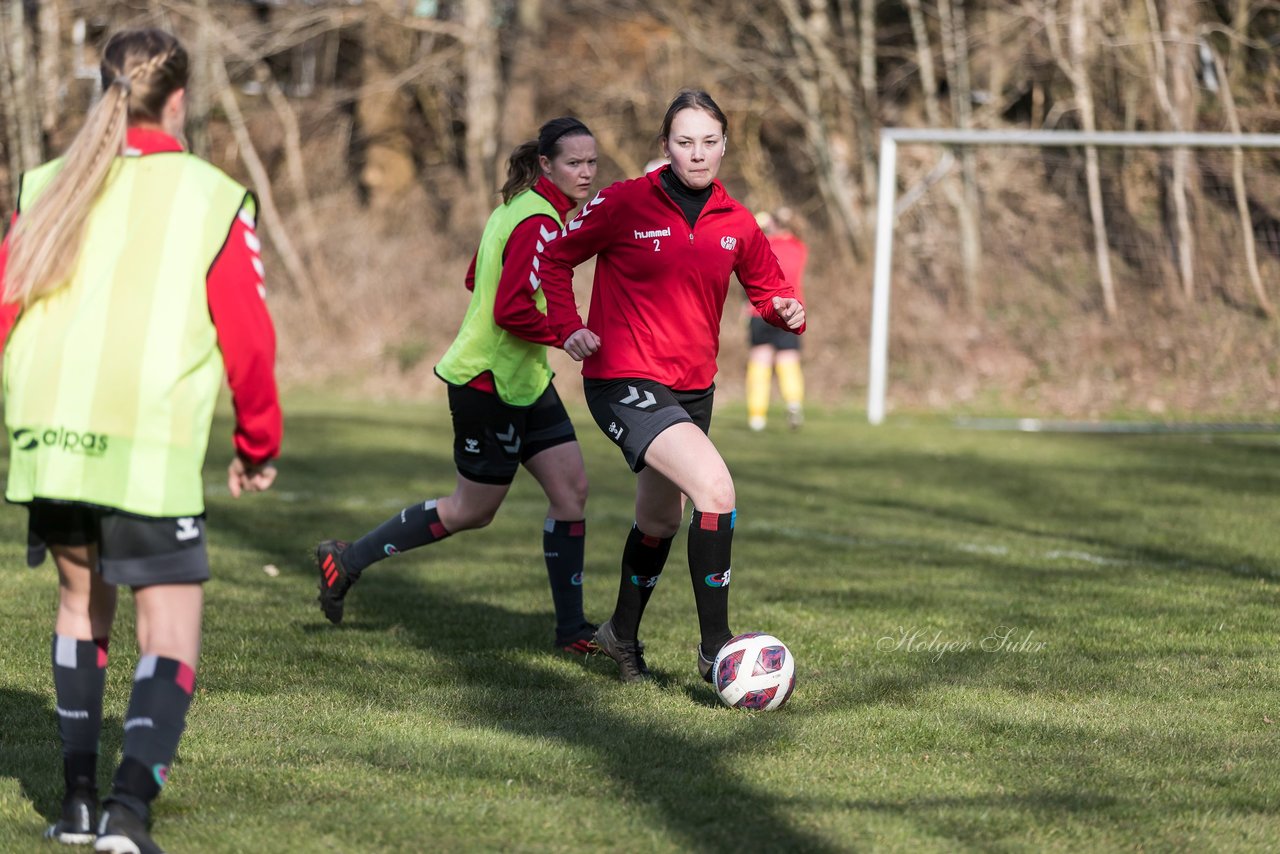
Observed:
{"x":1242,"y":195}
{"x":50,"y":67}
{"x":480,"y":63}
{"x":1076,"y":67}
{"x":8,"y":100}
{"x":198,"y":93}
{"x":1181,"y":156}
{"x":924,"y":60}
{"x":519,"y":118}
{"x":867,"y":77}
{"x":1239,"y":46}
{"x":955,"y":53}
{"x":25,"y":134}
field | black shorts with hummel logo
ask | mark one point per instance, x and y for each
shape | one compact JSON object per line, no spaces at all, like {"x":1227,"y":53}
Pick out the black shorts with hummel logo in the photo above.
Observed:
{"x":491,"y":438}
{"x":133,"y":551}
{"x":632,"y":412}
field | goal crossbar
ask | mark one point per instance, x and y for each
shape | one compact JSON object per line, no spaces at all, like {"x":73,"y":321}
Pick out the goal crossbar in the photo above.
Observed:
{"x":891,"y":138}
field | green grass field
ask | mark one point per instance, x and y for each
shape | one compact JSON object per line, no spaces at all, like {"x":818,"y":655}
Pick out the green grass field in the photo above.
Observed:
{"x":1134,"y":703}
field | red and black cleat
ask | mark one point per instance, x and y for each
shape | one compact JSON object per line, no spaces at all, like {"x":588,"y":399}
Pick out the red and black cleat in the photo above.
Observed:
{"x":579,"y":642}
{"x":335,"y":581}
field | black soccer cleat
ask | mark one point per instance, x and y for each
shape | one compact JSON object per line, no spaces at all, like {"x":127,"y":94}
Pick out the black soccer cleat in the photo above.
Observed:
{"x":79,"y":817}
{"x":628,"y":654}
{"x":122,"y":831}
{"x":579,"y":642}
{"x":335,"y":581}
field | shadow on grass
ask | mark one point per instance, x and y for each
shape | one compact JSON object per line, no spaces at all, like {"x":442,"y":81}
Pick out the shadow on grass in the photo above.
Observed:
{"x":681,"y":779}
{"x":31,"y":752}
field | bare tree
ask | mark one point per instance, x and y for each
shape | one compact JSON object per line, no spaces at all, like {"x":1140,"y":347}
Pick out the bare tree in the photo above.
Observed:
{"x":23,"y":135}
{"x":1174,"y":113}
{"x":49,"y":70}
{"x":955,"y":52}
{"x":924,"y":61}
{"x":480,"y":63}
{"x":869,"y":78}
{"x":828,"y":133}
{"x":1242,"y":194}
{"x":520,"y":101}
{"x":1074,"y":63}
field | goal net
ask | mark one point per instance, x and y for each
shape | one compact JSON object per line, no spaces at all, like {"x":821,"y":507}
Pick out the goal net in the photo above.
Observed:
{"x":988,"y":243}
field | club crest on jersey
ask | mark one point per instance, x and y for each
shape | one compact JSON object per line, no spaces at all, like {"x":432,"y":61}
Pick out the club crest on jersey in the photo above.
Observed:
{"x":730,"y":243}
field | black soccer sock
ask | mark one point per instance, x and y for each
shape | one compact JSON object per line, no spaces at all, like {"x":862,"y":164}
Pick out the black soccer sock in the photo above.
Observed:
{"x":157,"y":714}
{"x":414,"y":526}
{"x":79,"y":675}
{"x":642,"y":560}
{"x":710,"y":559}
{"x":563,"y":544}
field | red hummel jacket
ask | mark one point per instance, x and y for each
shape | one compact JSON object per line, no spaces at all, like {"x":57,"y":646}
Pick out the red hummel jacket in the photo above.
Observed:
{"x":660,"y":285}
{"x":246,"y":336}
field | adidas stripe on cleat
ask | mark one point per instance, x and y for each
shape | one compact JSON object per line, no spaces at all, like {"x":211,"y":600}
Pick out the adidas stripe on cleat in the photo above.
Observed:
{"x":581,"y":642}
{"x":79,"y":815}
{"x":122,"y":831}
{"x":335,"y":581}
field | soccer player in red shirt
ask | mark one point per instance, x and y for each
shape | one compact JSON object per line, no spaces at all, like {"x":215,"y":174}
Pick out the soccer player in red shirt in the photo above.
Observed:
{"x":772,"y":348}
{"x":666,"y":245}
{"x":506,"y":412}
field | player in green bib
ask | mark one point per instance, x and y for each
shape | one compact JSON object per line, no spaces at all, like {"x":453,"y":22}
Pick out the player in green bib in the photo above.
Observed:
{"x":506,"y":413}
{"x":132,"y":285}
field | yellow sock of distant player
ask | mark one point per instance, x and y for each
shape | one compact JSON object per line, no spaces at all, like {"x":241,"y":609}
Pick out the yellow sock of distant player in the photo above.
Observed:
{"x":759,"y":377}
{"x":791,"y":382}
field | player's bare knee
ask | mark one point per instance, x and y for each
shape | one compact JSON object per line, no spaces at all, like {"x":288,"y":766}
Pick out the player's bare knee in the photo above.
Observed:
{"x":578,"y":490}
{"x":717,"y":497}
{"x":662,"y":525}
{"x":478,"y":519}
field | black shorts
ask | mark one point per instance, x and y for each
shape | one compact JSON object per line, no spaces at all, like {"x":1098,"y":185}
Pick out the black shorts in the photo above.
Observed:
{"x":762,"y":332}
{"x":491,"y":438}
{"x":632,"y":412}
{"x":133,"y":551}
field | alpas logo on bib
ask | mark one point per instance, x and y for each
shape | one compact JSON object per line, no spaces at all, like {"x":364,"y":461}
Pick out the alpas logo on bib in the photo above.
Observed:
{"x":61,"y":439}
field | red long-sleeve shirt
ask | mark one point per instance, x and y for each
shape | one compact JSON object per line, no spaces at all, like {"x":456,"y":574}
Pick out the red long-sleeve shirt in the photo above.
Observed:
{"x":514,"y":308}
{"x":660,"y":285}
{"x":238,"y":309}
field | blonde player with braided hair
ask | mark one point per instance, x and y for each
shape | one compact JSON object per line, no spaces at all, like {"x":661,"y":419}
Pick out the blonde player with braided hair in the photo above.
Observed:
{"x":132,"y":284}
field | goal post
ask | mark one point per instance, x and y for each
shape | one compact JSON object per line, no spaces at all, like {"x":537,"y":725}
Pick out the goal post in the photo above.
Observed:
{"x":887,"y":213}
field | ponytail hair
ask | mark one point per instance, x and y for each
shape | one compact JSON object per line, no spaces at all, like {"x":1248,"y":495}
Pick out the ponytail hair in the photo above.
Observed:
{"x":140,"y":70}
{"x":523,"y":168}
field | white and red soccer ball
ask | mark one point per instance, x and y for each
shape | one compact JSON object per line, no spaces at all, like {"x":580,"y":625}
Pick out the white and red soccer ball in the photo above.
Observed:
{"x":754,"y":671}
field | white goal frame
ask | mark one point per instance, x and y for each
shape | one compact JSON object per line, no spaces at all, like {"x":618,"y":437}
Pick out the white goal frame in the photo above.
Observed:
{"x":891,"y":138}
